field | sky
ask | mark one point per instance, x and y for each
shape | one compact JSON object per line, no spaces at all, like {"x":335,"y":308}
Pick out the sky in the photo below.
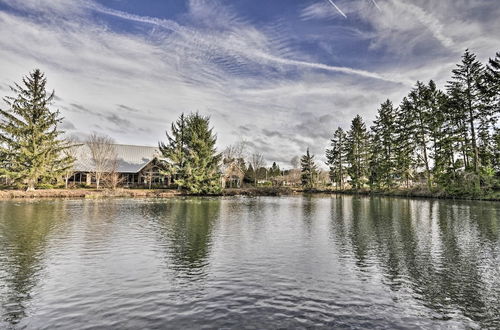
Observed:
{"x":280,"y":75}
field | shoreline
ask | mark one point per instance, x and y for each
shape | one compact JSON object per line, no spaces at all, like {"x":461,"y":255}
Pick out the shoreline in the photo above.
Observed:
{"x":89,"y":193}
{"x":249,"y":192}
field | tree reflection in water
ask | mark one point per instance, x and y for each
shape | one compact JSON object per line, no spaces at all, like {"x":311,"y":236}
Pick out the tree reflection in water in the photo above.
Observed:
{"x":441,"y":251}
{"x":24,"y":235}
{"x":185,"y":227}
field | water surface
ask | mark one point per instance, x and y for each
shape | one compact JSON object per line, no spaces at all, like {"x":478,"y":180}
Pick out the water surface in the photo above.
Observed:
{"x":268,"y":262}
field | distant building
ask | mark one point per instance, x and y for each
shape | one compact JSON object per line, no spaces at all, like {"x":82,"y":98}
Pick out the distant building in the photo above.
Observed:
{"x":232,"y":175}
{"x":135,"y":165}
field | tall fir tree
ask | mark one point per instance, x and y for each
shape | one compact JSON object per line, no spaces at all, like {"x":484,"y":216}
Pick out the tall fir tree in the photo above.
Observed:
{"x":447,"y":137}
{"x":439,"y":131}
{"x":191,"y":148}
{"x":496,"y":153}
{"x":357,"y":153}
{"x":492,"y":93}
{"x":30,"y":140}
{"x":465,"y":87}
{"x":176,"y":148}
{"x":274,"y":171}
{"x":337,"y":158}
{"x":382,"y":162}
{"x":421,"y":127}
{"x":249,"y":176}
{"x":492,"y":76}
{"x":309,"y":170}
{"x":404,"y":147}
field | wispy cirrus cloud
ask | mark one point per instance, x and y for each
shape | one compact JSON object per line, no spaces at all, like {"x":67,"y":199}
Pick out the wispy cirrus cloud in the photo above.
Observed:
{"x":281,"y":82}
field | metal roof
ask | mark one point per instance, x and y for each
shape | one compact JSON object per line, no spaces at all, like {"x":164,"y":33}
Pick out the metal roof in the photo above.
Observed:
{"x":131,"y":159}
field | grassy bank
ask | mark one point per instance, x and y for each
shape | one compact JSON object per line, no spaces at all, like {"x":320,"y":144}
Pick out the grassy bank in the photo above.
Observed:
{"x":249,"y":191}
{"x":88,"y":193}
{"x":415,"y":192}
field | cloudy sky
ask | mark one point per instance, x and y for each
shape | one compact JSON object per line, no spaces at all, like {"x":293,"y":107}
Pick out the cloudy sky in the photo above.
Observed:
{"x":280,"y":74}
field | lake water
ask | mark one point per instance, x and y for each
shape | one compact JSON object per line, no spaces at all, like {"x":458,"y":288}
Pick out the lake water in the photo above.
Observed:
{"x":268,"y":262}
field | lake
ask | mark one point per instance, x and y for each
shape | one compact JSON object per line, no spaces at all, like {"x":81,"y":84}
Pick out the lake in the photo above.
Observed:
{"x":239,"y":262}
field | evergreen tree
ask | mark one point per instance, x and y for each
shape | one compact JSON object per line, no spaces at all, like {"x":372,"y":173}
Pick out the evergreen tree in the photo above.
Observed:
{"x":382,"y":165}
{"x":459,"y":131}
{"x":496,"y":154}
{"x":191,"y":149}
{"x":249,"y":175}
{"x":357,"y":153}
{"x":465,"y":86}
{"x":492,"y":92}
{"x":30,"y":143}
{"x":446,"y":135}
{"x":274,"y":170}
{"x":176,"y":148}
{"x":421,"y":127}
{"x":492,"y":76}
{"x":309,"y":171}
{"x":404,"y":146}
{"x":337,"y":157}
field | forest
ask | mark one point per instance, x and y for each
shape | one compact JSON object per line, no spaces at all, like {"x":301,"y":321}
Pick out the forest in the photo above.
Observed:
{"x":442,"y":140}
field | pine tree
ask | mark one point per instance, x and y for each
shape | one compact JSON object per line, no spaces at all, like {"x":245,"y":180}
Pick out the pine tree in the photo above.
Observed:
{"x":176,"y":148}
{"x":404,"y":147}
{"x":309,"y":171}
{"x":249,"y":174}
{"x":493,"y":81}
{"x":421,"y":127}
{"x":492,"y":76}
{"x":438,"y":119}
{"x":336,"y":158}
{"x":446,"y":136}
{"x":382,"y":165}
{"x":30,"y":143}
{"x":275,"y":170}
{"x":191,"y":149}
{"x":357,"y":153}
{"x":459,"y":128}
{"x":491,"y":90}
{"x":496,"y":153}
{"x":465,"y":86}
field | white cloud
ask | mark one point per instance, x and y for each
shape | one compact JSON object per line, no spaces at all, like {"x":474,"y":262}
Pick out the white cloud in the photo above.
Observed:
{"x":243,"y":74}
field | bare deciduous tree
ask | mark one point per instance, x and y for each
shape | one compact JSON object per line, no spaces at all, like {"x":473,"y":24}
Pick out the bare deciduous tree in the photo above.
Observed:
{"x":104,"y":156}
{"x":71,"y":153}
{"x":235,"y":151}
{"x":113,"y":178}
{"x":294,"y":175}
{"x":257,"y":161}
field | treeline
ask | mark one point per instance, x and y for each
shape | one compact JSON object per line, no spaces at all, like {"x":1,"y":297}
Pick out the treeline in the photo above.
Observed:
{"x":445,"y":140}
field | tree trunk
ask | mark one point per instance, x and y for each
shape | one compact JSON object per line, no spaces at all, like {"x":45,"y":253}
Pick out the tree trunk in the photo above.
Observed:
{"x":474,"y":144}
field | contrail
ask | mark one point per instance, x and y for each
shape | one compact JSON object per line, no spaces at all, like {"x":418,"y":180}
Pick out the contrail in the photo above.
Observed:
{"x":256,"y":55}
{"x":338,"y":9}
{"x":376,"y":5}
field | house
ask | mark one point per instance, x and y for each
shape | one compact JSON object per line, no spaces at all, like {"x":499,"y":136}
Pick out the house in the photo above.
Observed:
{"x":232,"y":175}
{"x":134,"y":165}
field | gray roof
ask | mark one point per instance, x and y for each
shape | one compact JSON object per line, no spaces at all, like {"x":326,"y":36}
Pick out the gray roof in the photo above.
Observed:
{"x":131,"y":159}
